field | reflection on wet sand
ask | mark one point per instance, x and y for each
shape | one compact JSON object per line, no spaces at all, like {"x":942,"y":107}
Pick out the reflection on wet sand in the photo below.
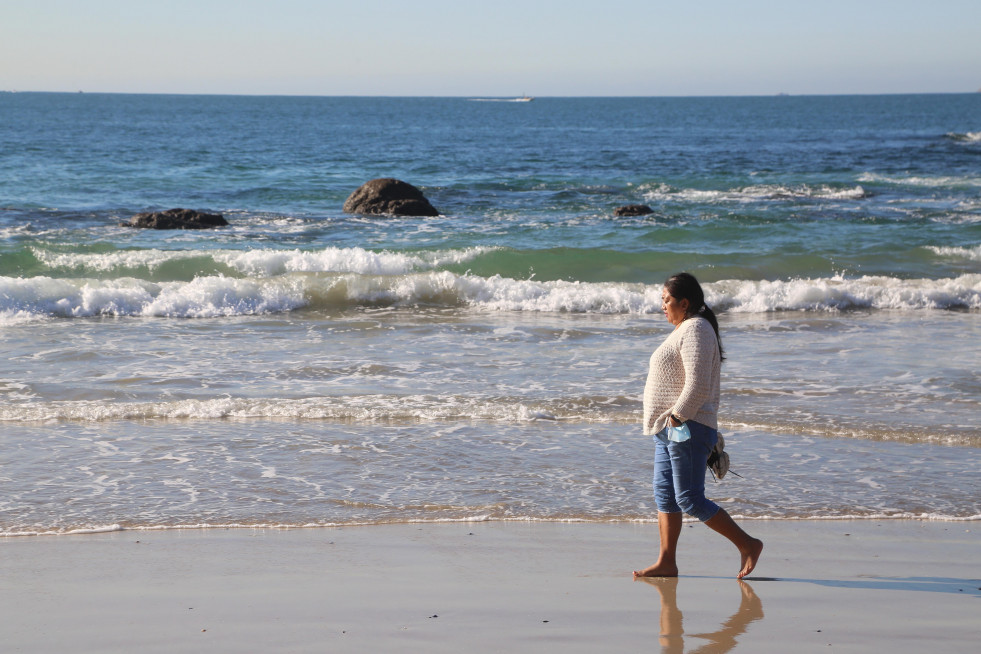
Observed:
{"x":722,"y":640}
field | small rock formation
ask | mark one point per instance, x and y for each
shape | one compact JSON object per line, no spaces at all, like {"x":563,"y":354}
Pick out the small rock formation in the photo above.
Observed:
{"x":387,"y":196}
{"x":633,"y":210}
{"x":176,"y":219}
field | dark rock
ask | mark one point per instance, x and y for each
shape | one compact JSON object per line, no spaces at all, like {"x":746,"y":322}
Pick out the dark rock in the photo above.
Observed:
{"x":633,"y":210}
{"x":177,"y":219}
{"x":387,"y":196}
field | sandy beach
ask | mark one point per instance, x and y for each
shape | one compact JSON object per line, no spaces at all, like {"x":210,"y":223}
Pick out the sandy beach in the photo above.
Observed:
{"x":846,"y":586}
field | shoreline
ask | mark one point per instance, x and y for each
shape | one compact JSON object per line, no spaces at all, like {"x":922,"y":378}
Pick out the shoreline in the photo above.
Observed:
{"x":478,"y":520}
{"x":855,"y":585}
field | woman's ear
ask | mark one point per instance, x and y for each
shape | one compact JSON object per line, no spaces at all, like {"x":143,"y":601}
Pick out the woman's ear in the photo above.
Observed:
{"x":684,"y":305}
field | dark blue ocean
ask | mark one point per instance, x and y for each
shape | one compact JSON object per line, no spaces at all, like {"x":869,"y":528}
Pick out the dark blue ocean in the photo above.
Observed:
{"x":304,"y":366}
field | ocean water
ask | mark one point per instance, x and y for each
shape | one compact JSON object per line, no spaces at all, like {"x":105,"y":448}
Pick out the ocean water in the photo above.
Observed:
{"x":307,"y":367}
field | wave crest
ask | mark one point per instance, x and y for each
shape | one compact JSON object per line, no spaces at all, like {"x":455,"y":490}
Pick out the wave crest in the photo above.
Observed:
{"x":266,"y":263}
{"x":261,"y":263}
{"x":965,"y":137}
{"x":217,"y":296}
{"x":839,"y":293}
{"x":971,"y":254}
{"x":755,"y":193}
{"x":921,"y":181}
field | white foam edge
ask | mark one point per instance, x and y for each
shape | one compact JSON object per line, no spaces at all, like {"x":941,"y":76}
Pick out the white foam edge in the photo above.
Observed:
{"x":480,"y":518}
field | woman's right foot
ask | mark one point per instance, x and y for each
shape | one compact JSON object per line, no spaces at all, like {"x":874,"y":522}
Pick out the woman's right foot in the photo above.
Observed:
{"x":750,"y":557}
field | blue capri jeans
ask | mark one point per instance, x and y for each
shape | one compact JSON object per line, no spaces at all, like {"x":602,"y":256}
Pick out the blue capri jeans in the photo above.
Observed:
{"x":679,"y":472}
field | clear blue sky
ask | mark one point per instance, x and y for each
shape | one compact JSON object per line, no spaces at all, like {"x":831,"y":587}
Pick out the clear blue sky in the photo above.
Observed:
{"x":491,"y":47}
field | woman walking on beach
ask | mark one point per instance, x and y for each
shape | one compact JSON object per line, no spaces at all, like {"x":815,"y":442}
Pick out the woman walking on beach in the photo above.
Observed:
{"x":681,"y":403}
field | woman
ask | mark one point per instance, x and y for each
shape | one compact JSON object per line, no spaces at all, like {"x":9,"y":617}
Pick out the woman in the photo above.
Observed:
{"x":681,"y":403}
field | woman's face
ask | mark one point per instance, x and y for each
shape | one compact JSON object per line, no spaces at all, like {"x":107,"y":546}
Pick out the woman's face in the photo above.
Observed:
{"x":675,"y":310}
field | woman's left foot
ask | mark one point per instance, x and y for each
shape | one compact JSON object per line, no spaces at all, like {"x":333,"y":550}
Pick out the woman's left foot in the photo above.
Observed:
{"x":657,"y":570}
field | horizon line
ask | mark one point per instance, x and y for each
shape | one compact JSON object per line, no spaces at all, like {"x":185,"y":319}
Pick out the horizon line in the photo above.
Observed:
{"x":472,"y":96}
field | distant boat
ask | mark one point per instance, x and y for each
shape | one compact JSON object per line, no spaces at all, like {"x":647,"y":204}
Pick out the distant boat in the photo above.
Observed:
{"x":524,"y":98}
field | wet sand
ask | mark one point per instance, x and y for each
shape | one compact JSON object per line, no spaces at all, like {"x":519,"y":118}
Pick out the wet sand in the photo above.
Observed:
{"x":852,"y":586}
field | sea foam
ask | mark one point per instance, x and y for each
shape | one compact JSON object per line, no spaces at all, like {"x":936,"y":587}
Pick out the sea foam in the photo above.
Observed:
{"x":359,"y":408}
{"x":264,"y":262}
{"x":754,"y":193}
{"x":971,"y":254}
{"x":840,"y":293}
{"x":216,"y":296}
{"x":204,"y":297}
{"x":261,"y":263}
{"x":965,"y":137}
{"x":945,"y":181}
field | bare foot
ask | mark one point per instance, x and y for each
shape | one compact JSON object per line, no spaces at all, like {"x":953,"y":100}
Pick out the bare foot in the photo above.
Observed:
{"x":657,"y":570}
{"x":750,"y":556}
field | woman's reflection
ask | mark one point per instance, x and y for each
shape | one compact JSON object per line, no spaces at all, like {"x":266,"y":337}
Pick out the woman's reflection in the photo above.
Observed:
{"x":672,"y":632}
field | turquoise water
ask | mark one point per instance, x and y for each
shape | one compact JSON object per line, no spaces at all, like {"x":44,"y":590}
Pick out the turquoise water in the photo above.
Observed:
{"x":306,"y":366}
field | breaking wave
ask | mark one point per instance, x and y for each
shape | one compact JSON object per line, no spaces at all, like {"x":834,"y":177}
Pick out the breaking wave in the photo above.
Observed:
{"x":839,"y":293}
{"x":748,"y":194}
{"x":218,"y":296}
{"x":965,"y":137}
{"x":259,"y":263}
{"x":922,"y":181}
{"x":971,"y":254}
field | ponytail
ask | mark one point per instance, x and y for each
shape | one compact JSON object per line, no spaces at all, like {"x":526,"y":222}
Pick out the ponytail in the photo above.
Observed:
{"x":708,"y":314}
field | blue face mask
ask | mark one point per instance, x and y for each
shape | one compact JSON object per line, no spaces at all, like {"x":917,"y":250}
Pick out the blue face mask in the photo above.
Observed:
{"x":679,"y":434}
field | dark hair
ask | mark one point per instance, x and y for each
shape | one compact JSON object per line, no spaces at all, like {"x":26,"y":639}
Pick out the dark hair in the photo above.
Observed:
{"x":684,"y":286}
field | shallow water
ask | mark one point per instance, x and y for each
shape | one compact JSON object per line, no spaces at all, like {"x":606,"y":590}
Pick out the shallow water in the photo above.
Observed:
{"x":129,"y":474}
{"x":382,"y":416}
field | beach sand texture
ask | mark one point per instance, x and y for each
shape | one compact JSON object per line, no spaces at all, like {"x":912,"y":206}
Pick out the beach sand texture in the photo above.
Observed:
{"x":842,"y":586}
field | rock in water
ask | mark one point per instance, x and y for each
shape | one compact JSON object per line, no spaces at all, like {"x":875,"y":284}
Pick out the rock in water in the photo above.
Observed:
{"x":387,"y":196}
{"x":177,"y":219}
{"x":633,"y":210}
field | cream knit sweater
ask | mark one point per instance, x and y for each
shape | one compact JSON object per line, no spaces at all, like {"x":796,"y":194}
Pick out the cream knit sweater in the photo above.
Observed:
{"x":684,"y":377}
